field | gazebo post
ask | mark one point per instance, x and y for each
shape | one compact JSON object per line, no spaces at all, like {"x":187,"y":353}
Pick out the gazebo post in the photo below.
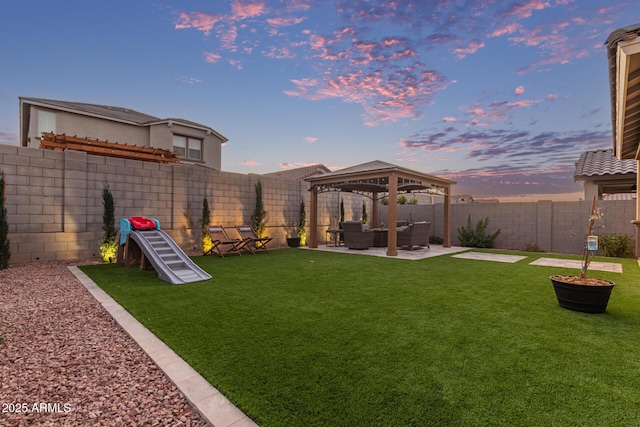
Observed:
{"x":447,"y":217}
{"x":392,"y":239}
{"x":313,"y":220}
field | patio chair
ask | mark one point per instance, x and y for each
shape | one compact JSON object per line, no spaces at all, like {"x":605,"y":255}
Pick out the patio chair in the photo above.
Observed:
{"x":220,"y":239}
{"x":254,"y":243}
{"x":416,"y":235}
{"x":357,"y":235}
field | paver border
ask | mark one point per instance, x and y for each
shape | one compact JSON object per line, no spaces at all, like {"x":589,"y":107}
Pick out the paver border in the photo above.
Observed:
{"x":216,"y":409}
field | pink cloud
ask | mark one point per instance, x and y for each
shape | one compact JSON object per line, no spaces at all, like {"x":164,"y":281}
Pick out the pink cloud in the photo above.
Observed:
{"x":278,"y":52}
{"x":519,"y":90}
{"x":526,"y":9}
{"x":448,"y":119}
{"x":247,"y":9}
{"x":189,"y":80}
{"x":289,"y":165}
{"x":472,"y":47}
{"x":284,"y":22}
{"x":199,"y":20}
{"x":251,"y":163}
{"x":560,"y":58}
{"x":211,"y":57}
{"x":507,"y":29}
{"x":310,"y":139}
{"x":228,"y":34}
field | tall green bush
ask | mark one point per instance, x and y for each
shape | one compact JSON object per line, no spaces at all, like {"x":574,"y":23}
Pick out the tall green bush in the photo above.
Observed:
{"x":476,"y":237}
{"x":302,"y":224}
{"x":365,"y":217}
{"x":616,"y":245}
{"x":108,"y":245}
{"x":259,"y":214}
{"x":5,"y":252}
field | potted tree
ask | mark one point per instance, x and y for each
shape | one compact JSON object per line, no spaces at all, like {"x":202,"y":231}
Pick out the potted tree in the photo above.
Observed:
{"x":300,"y":237}
{"x":582,"y":293}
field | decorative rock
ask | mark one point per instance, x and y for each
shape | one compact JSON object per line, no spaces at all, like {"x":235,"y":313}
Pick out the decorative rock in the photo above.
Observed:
{"x":69,"y":357}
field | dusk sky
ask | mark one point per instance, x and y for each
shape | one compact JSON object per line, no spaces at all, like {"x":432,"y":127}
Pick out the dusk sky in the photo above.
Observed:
{"x":501,"y":96}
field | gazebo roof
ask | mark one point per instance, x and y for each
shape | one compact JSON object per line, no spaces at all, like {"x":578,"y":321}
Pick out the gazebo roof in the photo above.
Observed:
{"x":374,"y":177}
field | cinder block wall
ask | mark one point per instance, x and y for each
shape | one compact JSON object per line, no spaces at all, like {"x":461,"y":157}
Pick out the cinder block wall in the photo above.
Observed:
{"x":558,"y":227}
{"x":54,"y":200}
{"x":54,"y":204}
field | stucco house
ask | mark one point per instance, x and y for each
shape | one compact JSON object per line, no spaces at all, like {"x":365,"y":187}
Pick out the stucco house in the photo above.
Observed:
{"x":623,"y":53}
{"x":195,"y":143}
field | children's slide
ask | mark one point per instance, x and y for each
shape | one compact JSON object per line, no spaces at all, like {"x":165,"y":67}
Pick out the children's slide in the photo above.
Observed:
{"x":166,"y":257}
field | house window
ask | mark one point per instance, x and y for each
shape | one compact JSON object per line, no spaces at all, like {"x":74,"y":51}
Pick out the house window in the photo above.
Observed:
{"x":46,"y":122}
{"x":187,"y":147}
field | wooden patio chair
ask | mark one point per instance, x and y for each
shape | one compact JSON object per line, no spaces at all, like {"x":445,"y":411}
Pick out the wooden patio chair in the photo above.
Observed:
{"x":234,"y":234}
{"x":220,"y":239}
{"x":253,"y":241}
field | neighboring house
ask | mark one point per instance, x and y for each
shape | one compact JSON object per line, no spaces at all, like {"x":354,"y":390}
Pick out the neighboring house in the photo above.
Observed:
{"x":298,"y":174}
{"x":194,"y":142}
{"x":604,"y":175}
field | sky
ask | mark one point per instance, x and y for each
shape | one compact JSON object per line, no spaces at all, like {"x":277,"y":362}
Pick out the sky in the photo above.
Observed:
{"x":500,"y":96}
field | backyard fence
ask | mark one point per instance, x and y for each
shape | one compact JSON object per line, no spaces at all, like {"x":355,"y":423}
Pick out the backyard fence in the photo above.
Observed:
{"x":54,"y":206}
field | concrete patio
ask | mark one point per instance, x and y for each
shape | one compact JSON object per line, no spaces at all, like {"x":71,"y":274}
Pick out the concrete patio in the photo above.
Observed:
{"x":435,"y":250}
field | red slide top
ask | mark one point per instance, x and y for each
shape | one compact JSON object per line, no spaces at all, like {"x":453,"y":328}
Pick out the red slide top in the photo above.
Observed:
{"x":142,"y":223}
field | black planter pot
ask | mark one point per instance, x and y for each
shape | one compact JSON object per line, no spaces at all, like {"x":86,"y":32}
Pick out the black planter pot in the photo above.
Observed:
{"x":293,"y":242}
{"x":584,"y":298}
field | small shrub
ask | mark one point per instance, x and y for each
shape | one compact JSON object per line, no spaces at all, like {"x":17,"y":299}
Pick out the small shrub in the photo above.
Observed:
{"x":402,"y":199}
{"x":532,"y":247}
{"x":477,"y":237}
{"x":436,"y":240}
{"x":616,"y":245}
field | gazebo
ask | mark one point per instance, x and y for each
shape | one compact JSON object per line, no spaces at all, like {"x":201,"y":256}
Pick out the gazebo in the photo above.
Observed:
{"x":375,"y":178}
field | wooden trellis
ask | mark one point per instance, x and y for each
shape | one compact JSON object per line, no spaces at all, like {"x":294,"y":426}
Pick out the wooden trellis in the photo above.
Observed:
{"x":61,"y":142}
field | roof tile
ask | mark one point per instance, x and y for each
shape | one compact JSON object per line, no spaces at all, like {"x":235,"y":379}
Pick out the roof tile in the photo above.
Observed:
{"x":602,"y":162}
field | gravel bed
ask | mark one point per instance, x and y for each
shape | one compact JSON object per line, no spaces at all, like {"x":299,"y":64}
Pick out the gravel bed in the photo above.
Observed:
{"x":65,"y":362}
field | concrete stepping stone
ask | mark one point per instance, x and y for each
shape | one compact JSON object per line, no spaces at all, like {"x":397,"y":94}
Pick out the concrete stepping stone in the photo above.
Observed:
{"x":576,"y":263}
{"x":481,"y":256}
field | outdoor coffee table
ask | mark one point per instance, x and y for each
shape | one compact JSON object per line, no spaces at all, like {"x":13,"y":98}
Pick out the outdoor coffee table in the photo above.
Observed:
{"x":333,"y":235}
{"x":380,"y":237}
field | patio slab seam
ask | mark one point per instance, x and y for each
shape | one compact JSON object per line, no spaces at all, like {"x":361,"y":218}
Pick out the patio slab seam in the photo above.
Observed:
{"x":216,"y":409}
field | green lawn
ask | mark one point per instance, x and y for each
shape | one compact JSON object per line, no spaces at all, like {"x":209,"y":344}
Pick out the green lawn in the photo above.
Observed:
{"x":308,"y":338}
